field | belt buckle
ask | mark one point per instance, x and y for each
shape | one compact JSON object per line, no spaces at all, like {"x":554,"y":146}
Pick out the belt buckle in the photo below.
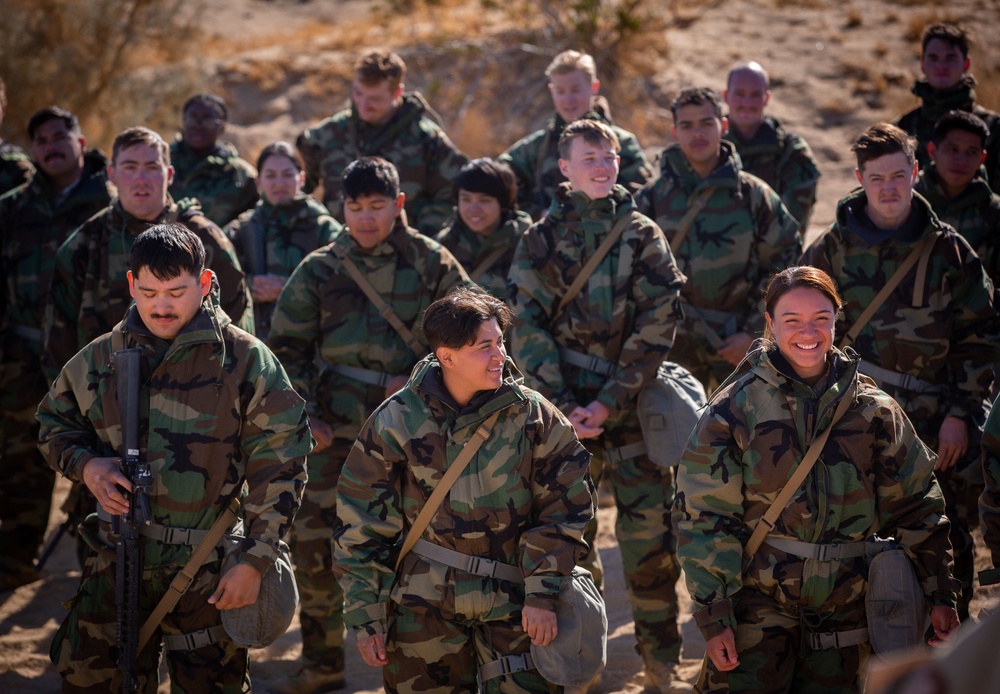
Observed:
{"x":481,"y":566}
{"x":514,"y":663}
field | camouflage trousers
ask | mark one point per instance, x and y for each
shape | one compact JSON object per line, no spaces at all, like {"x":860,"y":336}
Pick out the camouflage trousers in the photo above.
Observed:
{"x":961,"y":505}
{"x":644,"y":495}
{"x":432,"y":651}
{"x":321,"y":600}
{"x":774,"y":657}
{"x":26,"y":481}
{"x":84,"y":651}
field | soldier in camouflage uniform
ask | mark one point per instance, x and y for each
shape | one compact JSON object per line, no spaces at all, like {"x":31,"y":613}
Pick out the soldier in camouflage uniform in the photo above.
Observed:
{"x":15,"y":165}
{"x":208,"y":169}
{"x":771,"y":625}
{"x":780,"y":158}
{"x":219,"y":420}
{"x":285,"y":226}
{"x":592,"y":360}
{"x":739,"y":238}
{"x":947,"y":86}
{"x":362,"y":359}
{"x":573,"y":85}
{"x":88,"y":286}
{"x":69,"y":186}
{"x":523,"y":501}
{"x":386,"y":122}
{"x":958,"y":194}
{"x":933,"y":342}
{"x":487,"y":224}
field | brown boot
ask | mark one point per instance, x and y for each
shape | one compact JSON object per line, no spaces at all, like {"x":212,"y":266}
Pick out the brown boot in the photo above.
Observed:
{"x":312,"y":679}
{"x":662,"y":679}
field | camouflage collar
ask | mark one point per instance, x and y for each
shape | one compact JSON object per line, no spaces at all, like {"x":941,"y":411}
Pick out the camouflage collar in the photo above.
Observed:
{"x":856,"y":228}
{"x":929,"y":186}
{"x":674,"y":164}
{"x":426,"y":381}
{"x":768,"y":137}
{"x":935,"y":104}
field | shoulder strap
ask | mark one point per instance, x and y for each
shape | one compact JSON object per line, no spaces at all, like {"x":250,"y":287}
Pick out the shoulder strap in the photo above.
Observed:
{"x":182,"y":581}
{"x":695,"y":207}
{"x":592,"y":264}
{"x":921,"y":252}
{"x":384,"y":309}
{"x":766,"y":524}
{"x":444,"y":486}
{"x":487,"y":262}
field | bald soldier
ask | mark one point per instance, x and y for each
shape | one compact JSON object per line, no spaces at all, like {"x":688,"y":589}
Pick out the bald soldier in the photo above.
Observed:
{"x":782,"y":159}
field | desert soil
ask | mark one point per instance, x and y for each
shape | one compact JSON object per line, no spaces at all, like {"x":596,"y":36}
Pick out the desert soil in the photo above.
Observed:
{"x":283,"y":65}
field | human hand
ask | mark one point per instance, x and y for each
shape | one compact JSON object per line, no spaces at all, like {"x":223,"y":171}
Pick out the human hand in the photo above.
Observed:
{"x":953,"y":442}
{"x":103,"y":478}
{"x":266,"y":288}
{"x":588,"y":421}
{"x":944,"y":621}
{"x":322,"y":432}
{"x":735,"y":347}
{"x":540,"y":624}
{"x":372,"y":650}
{"x":238,"y":587}
{"x":722,"y":651}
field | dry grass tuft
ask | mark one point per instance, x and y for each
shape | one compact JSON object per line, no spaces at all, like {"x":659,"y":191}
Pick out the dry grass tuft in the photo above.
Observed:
{"x":853,"y":18}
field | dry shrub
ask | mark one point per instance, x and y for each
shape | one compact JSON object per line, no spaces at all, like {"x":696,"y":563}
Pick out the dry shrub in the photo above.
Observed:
{"x":916,"y":24}
{"x":853,"y":19}
{"x":83,"y":55}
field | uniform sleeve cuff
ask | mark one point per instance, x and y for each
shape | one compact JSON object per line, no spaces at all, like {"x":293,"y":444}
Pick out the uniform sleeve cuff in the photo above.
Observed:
{"x":366,"y":620}
{"x":713,"y":619}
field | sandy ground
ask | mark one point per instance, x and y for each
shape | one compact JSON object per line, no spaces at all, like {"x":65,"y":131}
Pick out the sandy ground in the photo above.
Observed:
{"x":835,"y":67}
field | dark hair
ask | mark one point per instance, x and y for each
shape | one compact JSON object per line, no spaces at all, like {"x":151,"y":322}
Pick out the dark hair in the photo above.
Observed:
{"x":454,"y":320}
{"x":960,"y":120}
{"x":375,"y":66}
{"x":211,"y":100}
{"x":880,"y":140}
{"x":792,"y":278}
{"x":949,"y":33}
{"x":42,"y":117}
{"x":281,"y":149}
{"x":593,"y":132}
{"x":140,"y":136}
{"x":696,"y":96}
{"x":370,"y":176}
{"x":489,"y":177}
{"x":168,"y":250}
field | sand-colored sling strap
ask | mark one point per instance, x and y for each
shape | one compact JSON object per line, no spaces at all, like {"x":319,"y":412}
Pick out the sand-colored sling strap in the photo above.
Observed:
{"x":487,"y":262}
{"x":921,"y":254}
{"x":591,"y":265}
{"x":461,"y":461}
{"x":766,"y":524}
{"x":384,"y":309}
{"x":685,"y":223}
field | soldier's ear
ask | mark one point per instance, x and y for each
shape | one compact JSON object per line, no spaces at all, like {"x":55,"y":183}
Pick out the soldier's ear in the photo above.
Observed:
{"x":857,"y":173}
{"x":131,"y":284}
{"x":932,"y":151}
{"x":444,"y":356}
{"x":205,"y":282}
{"x":400,"y":201}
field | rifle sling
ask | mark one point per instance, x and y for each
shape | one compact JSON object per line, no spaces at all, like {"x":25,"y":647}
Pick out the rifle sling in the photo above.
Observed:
{"x":766,"y":523}
{"x":592,"y":264}
{"x":461,"y":461}
{"x":487,"y":262}
{"x":921,"y":252}
{"x":384,"y":309}
{"x":683,"y":226}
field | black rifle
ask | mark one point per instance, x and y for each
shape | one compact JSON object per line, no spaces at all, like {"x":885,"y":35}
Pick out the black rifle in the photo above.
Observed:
{"x":128,"y":570}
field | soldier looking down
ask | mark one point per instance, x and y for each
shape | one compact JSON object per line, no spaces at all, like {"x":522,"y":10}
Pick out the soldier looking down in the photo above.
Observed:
{"x":218,"y":420}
